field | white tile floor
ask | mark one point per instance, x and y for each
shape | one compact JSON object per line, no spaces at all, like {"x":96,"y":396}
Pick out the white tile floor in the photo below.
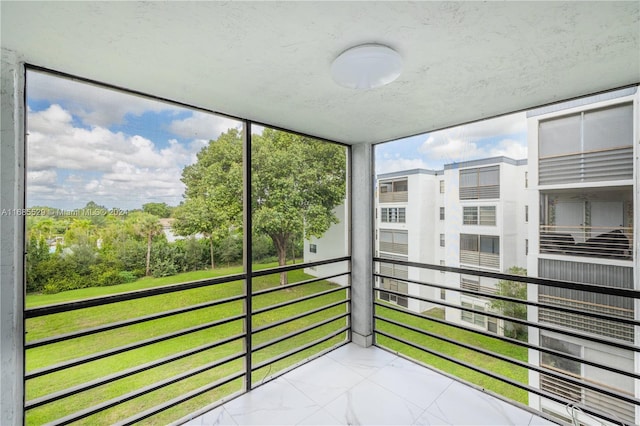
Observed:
{"x":357,"y":386}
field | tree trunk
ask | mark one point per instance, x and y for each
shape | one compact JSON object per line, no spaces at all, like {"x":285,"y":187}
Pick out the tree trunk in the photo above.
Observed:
{"x":281,"y":247}
{"x":213,"y":265}
{"x":148,"y":271}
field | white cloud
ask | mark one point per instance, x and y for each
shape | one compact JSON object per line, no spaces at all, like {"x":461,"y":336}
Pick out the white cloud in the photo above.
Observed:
{"x":95,"y":105}
{"x":447,"y":147}
{"x":504,"y":125}
{"x":111,"y":168}
{"x":509,"y":148}
{"x":394,"y":165}
{"x":202,"y":126}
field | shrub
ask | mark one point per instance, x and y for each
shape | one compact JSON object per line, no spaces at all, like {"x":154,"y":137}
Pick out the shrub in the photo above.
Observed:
{"x":128,"y":276}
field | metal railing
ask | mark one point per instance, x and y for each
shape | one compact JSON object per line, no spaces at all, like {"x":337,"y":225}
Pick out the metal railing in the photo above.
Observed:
{"x":193,"y":356}
{"x":502,"y":364}
{"x":591,"y":241}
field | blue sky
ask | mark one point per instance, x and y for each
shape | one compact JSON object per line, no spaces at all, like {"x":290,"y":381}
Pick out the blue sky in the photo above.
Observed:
{"x":87,"y":143}
{"x":502,"y":136}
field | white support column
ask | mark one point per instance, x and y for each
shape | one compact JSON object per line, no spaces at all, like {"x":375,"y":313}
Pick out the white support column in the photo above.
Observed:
{"x":361,"y":245}
{"x":11,"y":238}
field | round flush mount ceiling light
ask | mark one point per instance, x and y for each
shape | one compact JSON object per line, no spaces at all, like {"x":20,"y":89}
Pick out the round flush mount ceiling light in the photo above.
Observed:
{"x":366,"y":66}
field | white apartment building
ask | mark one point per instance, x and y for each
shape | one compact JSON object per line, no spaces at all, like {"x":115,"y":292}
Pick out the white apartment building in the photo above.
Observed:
{"x":463,"y":216}
{"x":584,"y":187}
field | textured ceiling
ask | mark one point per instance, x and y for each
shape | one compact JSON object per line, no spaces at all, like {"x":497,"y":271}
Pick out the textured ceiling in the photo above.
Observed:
{"x":270,"y":61}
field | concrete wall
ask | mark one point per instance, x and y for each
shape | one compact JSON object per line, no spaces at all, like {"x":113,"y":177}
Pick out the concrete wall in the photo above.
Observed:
{"x":11,"y":238}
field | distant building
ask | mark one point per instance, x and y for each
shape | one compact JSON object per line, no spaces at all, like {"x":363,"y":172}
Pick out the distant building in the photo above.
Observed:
{"x":461,"y":216}
{"x":583,"y":185}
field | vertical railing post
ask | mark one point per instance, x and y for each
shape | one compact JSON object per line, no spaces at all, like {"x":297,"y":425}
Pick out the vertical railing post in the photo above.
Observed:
{"x":248,"y":255}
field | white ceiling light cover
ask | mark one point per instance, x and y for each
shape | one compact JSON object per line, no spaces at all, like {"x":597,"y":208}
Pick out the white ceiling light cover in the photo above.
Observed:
{"x":366,"y":66}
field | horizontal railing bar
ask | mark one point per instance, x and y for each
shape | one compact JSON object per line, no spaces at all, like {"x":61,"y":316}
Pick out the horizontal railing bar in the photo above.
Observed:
{"x":299,"y":349}
{"x":131,"y":295}
{"x":548,"y":395}
{"x":514,"y":361}
{"x":178,"y":400}
{"x":126,"y":348}
{"x":125,"y":373}
{"x":299,"y":299}
{"x":520,"y":321}
{"x":509,"y":340}
{"x":612,"y":291}
{"x":299,"y":332}
{"x":296,"y":317}
{"x":297,"y":284}
{"x":120,"y":324}
{"x":287,"y":268}
{"x":512,"y":299}
{"x":143,"y":391}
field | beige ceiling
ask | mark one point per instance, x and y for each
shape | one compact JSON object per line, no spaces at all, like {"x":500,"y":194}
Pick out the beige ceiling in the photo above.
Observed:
{"x":270,"y":61}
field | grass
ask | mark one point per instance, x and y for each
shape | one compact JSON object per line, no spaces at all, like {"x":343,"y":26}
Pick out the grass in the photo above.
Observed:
{"x":472,"y":357}
{"x":51,"y":325}
{"x":41,"y":357}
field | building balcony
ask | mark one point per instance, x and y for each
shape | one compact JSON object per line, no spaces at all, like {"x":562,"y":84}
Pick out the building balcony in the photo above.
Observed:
{"x":592,"y":241}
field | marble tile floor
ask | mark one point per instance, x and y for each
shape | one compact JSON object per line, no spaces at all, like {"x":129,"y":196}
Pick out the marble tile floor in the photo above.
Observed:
{"x":356,"y":386}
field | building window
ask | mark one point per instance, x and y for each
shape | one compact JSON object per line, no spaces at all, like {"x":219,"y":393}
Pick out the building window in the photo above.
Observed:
{"x":557,"y":362}
{"x":443,"y":294}
{"x":472,"y":317}
{"x":394,"y":191}
{"x":441,"y":213}
{"x":526,"y":214}
{"x":442,"y":264}
{"x":484,"y":215}
{"x":394,"y":285}
{"x":393,"y":214}
{"x":480,"y":250}
{"x":526,"y":247}
{"x":394,"y":270}
{"x":394,"y":241}
{"x":442,"y":187}
{"x":479,"y":184}
{"x":526,"y":179}
{"x":312,"y":248}
{"x":441,"y":240}
{"x":488,"y":215}
{"x":578,"y":147}
{"x":470,"y":215}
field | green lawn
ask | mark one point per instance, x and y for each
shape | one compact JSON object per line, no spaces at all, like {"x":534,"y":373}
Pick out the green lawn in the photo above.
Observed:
{"x":472,"y":357}
{"x":51,"y":325}
{"x":40,"y":357}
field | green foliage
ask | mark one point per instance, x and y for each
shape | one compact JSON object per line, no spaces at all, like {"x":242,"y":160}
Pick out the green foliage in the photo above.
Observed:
{"x":516,"y":290}
{"x":127,"y":276}
{"x":37,"y":252}
{"x":157,"y":209}
{"x":148,"y":227}
{"x":297,"y":182}
{"x":213,"y":194}
{"x":263,"y":248}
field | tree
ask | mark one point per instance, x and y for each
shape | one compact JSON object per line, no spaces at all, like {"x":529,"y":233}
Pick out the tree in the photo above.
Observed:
{"x":297,"y":182}
{"x":515,"y":290}
{"x":213,"y":193}
{"x":147,"y":226}
{"x":157,"y":209}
